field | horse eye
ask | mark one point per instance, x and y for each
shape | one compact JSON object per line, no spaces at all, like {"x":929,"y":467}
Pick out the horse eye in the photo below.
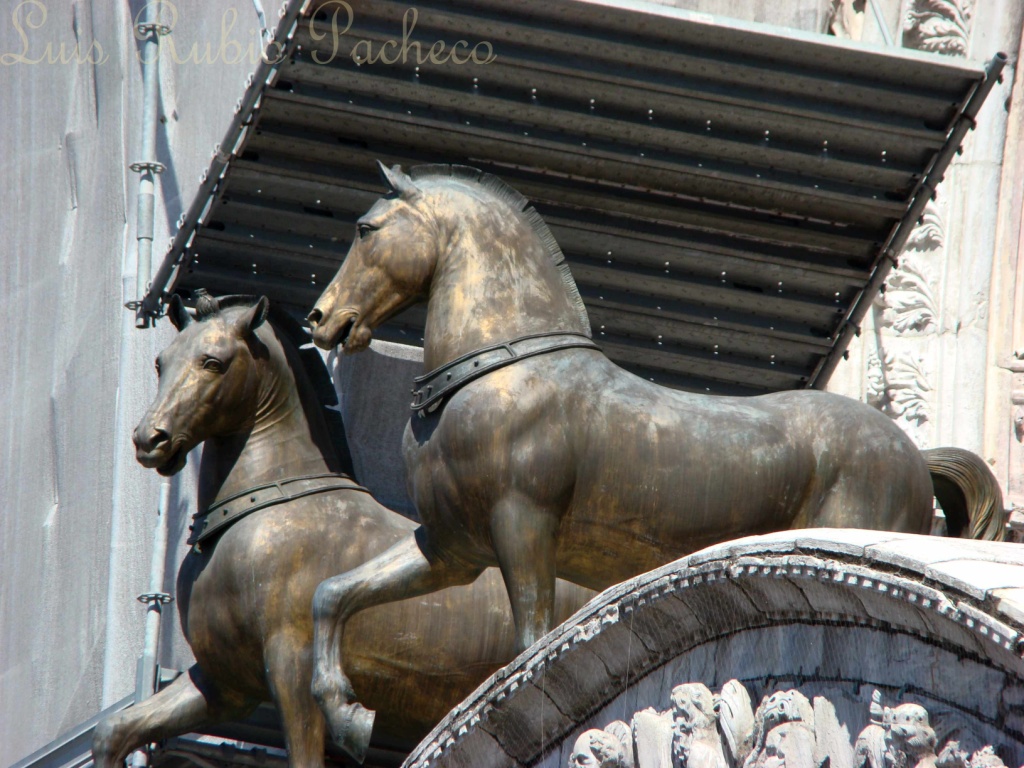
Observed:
{"x":365,"y":229}
{"x":213,"y":364}
{"x":156,"y":364}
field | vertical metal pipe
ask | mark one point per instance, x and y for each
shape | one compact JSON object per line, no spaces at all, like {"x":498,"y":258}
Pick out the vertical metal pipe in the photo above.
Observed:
{"x":156,"y":598}
{"x":150,"y":29}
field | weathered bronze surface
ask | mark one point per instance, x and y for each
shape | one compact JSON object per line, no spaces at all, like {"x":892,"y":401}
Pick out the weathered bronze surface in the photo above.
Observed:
{"x":564,"y":463}
{"x":237,"y":383}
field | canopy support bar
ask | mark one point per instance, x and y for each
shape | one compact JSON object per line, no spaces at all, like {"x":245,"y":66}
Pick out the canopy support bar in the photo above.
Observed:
{"x":901,"y":232}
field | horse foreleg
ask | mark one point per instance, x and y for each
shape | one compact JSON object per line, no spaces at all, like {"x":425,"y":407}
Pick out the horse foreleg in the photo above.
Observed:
{"x":523,"y":535}
{"x":186,"y":704}
{"x":289,"y":665}
{"x":401,"y":572}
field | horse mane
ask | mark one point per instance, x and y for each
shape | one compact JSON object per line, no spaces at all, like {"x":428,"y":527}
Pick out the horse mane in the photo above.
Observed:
{"x":297,"y":346}
{"x":515,"y":200}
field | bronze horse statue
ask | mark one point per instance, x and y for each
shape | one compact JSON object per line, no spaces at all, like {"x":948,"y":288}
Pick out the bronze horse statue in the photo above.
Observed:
{"x":531,"y":450}
{"x":244,"y":593}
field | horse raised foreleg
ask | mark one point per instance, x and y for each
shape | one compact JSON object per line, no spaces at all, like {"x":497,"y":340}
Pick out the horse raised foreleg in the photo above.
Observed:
{"x":402,"y":571}
{"x":523,"y":535}
{"x":289,"y":665}
{"x":186,"y":704}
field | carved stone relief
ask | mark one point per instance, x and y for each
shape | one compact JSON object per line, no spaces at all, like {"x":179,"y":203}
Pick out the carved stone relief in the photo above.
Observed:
{"x":847,"y":19}
{"x":906,"y":320}
{"x":899,"y":386}
{"x":788,"y":730}
{"x":908,"y":301}
{"x":939,"y":26}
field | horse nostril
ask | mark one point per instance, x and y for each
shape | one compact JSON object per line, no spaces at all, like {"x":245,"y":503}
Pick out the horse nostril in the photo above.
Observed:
{"x":315,"y":317}
{"x":153,"y":440}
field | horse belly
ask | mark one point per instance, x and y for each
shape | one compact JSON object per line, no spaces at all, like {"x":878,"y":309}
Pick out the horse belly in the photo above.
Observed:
{"x":628,"y":528}
{"x":657,"y":483}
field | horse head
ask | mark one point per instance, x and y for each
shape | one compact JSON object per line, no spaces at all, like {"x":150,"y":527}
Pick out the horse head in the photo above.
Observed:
{"x":208,"y":382}
{"x":466,"y":241}
{"x":388,"y":267}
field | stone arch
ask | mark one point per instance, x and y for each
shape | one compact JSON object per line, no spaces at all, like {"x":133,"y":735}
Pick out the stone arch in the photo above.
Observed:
{"x":835,"y":614}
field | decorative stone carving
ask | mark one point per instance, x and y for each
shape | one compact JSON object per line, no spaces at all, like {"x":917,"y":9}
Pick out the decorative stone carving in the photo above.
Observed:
{"x":929,"y":234}
{"x":600,"y":749}
{"x":779,"y":708}
{"x":908,"y":299}
{"x":696,"y":740}
{"x":703,"y":730}
{"x":940,"y":26}
{"x":847,"y":19}
{"x":736,"y":721}
{"x":899,"y":387}
{"x":910,"y":739}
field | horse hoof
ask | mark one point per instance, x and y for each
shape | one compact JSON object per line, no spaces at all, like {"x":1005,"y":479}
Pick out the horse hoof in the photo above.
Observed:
{"x":355,"y":736}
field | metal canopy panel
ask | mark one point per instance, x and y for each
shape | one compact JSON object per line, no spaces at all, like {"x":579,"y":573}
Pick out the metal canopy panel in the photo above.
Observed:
{"x":729,"y":196}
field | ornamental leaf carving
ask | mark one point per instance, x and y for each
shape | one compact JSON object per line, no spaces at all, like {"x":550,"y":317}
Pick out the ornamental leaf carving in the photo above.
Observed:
{"x":908,"y":299}
{"x":929,"y":234}
{"x":899,"y":387}
{"x":939,"y":26}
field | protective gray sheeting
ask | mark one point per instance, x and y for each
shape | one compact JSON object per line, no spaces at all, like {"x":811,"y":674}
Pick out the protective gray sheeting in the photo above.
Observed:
{"x":78,"y":511}
{"x":722,"y":190}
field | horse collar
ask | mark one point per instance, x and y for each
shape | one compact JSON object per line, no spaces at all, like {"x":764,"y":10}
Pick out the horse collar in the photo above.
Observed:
{"x":431,"y":388}
{"x":219,"y":516}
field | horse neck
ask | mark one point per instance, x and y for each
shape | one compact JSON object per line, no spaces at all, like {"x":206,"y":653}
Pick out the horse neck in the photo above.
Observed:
{"x":494,"y":283}
{"x":280,"y":444}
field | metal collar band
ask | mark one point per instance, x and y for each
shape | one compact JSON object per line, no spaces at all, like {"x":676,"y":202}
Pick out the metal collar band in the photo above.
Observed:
{"x":433,"y":387}
{"x":227,"y":511}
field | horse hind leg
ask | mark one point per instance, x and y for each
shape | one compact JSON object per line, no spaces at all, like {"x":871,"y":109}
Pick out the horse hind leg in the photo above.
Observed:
{"x":186,"y":704}
{"x":289,"y":674}
{"x":401,"y":572}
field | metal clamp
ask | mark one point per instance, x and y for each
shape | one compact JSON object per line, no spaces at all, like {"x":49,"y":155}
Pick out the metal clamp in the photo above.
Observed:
{"x":152,"y":166}
{"x":143,"y":28}
{"x":147,"y":598}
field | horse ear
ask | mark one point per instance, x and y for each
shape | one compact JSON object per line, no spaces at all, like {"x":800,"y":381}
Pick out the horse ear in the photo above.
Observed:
{"x":397,"y":181}
{"x":177,"y":314}
{"x":253,"y":317}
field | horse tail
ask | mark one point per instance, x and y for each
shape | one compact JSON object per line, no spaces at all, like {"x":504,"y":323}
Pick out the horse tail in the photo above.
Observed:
{"x":968,"y":493}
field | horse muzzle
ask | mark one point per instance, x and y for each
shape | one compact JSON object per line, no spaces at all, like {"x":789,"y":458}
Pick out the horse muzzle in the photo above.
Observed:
{"x":333,"y":329}
{"x":154,"y":449}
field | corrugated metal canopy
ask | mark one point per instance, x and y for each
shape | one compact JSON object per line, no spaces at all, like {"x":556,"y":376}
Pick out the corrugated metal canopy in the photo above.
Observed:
{"x":726,"y":194}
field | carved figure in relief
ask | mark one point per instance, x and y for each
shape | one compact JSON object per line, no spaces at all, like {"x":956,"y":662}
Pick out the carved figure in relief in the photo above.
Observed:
{"x":696,"y":741}
{"x":598,"y":749}
{"x":790,"y":745}
{"x":909,"y":737}
{"x":735,"y":721}
{"x":787,"y":731}
{"x":780,"y":707}
{"x":530,"y":450}
{"x":280,"y":518}
{"x":904,"y":737}
{"x":869,"y":750}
